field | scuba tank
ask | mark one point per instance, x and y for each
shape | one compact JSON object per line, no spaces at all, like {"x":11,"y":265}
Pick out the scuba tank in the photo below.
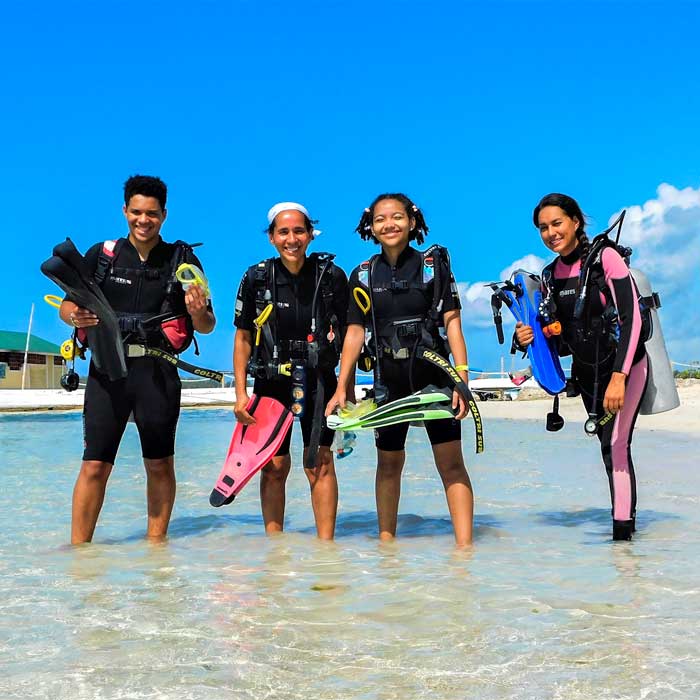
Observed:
{"x":661,"y":393}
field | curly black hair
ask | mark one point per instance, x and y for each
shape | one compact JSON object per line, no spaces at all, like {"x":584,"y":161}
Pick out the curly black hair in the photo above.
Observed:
{"x":147,"y":186}
{"x":417,"y":233}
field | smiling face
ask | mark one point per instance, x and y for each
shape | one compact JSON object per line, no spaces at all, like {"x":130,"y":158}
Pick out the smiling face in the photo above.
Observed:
{"x":391,"y":225}
{"x":558,"y":230}
{"x":291,"y":238}
{"x":144,"y":218}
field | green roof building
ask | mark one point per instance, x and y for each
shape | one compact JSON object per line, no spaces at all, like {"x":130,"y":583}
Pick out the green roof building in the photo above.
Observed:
{"x":44,"y":362}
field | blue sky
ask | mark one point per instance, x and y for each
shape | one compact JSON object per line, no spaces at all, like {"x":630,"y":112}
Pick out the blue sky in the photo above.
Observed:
{"x":475,"y":110}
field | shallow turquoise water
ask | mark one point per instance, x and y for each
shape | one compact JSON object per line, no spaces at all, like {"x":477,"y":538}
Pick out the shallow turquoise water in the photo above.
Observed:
{"x":543,"y":606}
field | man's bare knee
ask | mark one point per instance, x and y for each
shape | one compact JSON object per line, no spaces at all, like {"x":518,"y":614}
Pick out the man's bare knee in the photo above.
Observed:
{"x":162,"y":467}
{"x":95,"y":471}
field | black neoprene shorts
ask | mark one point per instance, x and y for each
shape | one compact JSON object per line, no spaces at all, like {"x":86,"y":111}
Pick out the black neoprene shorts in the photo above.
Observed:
{"x":151,"y":390}
{"x":395,"y":377}
{"x":281,"y":389}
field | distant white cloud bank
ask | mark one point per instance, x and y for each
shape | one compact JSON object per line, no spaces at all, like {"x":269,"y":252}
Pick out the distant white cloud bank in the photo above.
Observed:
{"x":664,"y":234}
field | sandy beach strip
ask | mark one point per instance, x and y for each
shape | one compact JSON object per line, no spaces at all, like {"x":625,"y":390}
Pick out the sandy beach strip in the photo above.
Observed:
{"x":18,"y":400}
{"x":684,"y":419}
{"x":529,"y":406}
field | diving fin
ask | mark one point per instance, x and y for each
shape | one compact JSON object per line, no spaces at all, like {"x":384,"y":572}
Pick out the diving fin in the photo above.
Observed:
{"x":252,"y":447}
{"x":544,"y":358}
{"x":68,"y":269}
{"x":429,"y":395}
{"x":431,"y":412}
{"x":522,"y":294}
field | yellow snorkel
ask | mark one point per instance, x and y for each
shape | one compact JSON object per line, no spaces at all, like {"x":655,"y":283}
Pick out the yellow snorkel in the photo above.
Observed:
{"x":352,"y":410}
{"x":260,"y":321}
{"x":365,"y":361}
{"x":362,"y":299}
{"x":53,"y":300}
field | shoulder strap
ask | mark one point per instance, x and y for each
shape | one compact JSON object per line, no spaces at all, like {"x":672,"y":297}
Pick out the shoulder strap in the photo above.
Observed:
{"x":261,"y":279}
{"x":108,"y":254}
{"x":324,"y":265}
{"x":363,"y":273}
{"x":433,"y":258}
{"x":597,"y":273}
{"x":547,"y":281}
{"x":548,"y":272}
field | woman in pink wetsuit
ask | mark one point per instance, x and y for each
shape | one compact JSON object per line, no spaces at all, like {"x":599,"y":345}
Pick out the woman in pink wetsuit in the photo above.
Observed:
{"x":609,"y":361}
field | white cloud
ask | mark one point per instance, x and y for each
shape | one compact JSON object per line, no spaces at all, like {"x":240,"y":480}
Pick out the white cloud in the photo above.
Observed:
{"x":476,"y":304}
{"x":664,"y":234}
{"x":476,"y":296}
{"x":531,"y":263}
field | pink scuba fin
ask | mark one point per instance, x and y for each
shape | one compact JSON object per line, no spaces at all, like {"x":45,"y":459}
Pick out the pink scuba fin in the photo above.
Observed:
{"x":252,"y":447}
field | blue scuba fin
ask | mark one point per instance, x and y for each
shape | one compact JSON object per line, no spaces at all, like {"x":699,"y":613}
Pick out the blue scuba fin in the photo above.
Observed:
{"x":522,"y":294}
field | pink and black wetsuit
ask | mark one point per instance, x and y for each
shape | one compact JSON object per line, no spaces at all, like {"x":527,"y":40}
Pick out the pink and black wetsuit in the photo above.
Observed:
{"x":606,"y":339}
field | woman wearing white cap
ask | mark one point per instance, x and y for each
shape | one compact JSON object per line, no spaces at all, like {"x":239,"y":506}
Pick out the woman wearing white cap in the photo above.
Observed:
{"x":290,"y":322}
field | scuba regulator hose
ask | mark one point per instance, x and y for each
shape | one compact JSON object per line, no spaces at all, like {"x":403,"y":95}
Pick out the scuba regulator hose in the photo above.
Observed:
{"x":381,"y":393}
{"x":594,"y":421}
{"x":439,"y":361}
{"x":319,"y":402}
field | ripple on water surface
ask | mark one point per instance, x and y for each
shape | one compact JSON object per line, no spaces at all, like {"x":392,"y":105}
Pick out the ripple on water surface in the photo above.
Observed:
{"x":543,"y":605}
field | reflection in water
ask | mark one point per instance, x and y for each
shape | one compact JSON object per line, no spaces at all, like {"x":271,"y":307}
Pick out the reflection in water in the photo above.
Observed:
{"x":542,"y":606}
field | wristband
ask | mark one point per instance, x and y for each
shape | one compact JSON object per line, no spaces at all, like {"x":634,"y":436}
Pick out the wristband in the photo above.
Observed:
{"x":462,"y":368}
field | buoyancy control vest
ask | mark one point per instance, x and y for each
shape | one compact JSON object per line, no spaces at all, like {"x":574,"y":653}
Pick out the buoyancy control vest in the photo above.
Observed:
{"x":162,"y":320}
{"x":416,"y":336}
{"x":320,"y":348}
{"x":594,"y":322}
{"x":397,"y":338}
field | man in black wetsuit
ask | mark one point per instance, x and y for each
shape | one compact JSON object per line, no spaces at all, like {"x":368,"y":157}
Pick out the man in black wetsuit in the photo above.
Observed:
{"x":136,"y":276}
